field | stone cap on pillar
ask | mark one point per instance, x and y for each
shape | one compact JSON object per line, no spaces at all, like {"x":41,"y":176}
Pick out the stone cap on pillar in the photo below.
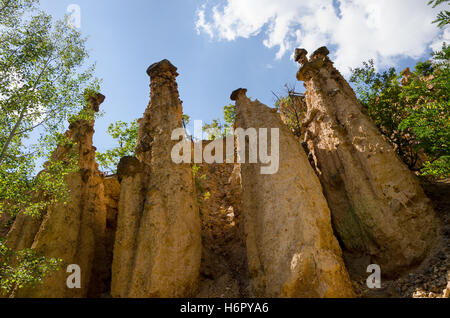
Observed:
{"x":320,"y":52}
{"x":311,"y":66}
{"x":300,"y":56}
{"x":94,"y":100}
{"x":237,"y":93}
{"x":162,"y":66}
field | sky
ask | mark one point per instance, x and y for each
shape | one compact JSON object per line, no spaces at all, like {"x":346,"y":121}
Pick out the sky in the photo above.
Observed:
{"x":219,"y":46}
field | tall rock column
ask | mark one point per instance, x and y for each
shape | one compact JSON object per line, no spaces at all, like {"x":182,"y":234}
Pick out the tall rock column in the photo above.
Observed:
{"x":378,"y":207}
{"x":73,"y":232}
{"x":291,"y":249}
{"x":158,"y":240}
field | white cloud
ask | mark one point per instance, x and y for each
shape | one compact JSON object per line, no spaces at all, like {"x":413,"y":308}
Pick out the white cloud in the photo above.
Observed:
{"x":436,"y":45}
{"x":201,"y":24}
{"x":357,"y":30}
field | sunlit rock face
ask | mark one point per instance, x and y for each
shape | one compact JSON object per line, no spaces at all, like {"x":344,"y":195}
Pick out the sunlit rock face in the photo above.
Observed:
{"x":157,"y":251}
{"x":73,"y":232}
{"x":291,"y":249}
{"x":378,"y":207}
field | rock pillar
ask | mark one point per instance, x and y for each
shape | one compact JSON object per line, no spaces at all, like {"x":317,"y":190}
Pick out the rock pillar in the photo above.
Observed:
{"x":378,"y":206}
{"x":157,"y":251}
{"x":73,"y":232}
{"x":291,"y":249}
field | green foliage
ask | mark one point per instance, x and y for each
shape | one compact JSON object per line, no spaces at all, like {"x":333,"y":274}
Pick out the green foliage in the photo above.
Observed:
{"x":198,"y":178}
{"x":12,"y":10}
{"x":198,"y":185}
{"x":412,"y":110}
{"x":281,"y":100}
{"x":443,"y":17}
{"x":126,"y":135}
{"x":214,"y":130}
{"x":23,"y":268}
{"x":186,"y":119}
{"x":42,"y":84}
{"x":292,"y":110}
{"x":438,"y":168}
{"x":427,"y":95}
{"x":229,"y":115}
{"x":20,"y":191}
{"x":43,"y":81}
{"x":380,"y":96}
{"x":217,"y":129}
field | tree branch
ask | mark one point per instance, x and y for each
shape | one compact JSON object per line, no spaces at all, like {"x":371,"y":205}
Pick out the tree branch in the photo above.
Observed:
{"x":22,"y":115}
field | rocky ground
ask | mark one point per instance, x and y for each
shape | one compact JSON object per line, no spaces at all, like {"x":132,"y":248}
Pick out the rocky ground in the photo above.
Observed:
{"x":432,"y":278}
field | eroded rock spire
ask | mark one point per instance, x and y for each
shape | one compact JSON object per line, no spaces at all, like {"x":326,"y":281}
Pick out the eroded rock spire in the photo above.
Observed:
{"x":378,"y":207}
{"x":73,"y":232}
{"x":291,"y":249}
{"x":158,"y":240}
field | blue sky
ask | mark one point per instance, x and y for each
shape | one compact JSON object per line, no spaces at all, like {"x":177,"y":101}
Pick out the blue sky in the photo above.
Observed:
{"x":219,"y":46}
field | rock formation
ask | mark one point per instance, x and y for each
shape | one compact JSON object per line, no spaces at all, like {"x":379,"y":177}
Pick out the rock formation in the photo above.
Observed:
{"x":291,"y":249}
{"x":224,"y":270}
{"x":237,"y":229}
{"x":157,"y":252}
{"x":378,"y":207}
{"x":73,"y":232}
{"x":112,"y":195}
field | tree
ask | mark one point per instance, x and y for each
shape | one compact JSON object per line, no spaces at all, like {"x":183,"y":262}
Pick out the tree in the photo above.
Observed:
{"x":43,"y":84}
{"x":29,"y":268}
{"x":443,"y":17}
{"x":217,"y":129}
{"x":12,"y":10}
{"x":426,"y":93}
{"x":412,"y":110}
{"x":292,"y":108}
{"x":126,"y":135}
{"x":379,"y":94}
